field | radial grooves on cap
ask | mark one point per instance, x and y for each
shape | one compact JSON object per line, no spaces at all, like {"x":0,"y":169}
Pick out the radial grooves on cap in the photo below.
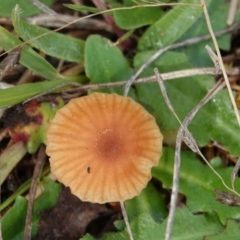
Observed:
{"x":132,"y":183}
{"x":127,"y":188}
{"x":103,"y":147}
{"x":97,"y":187}
{"x":102,"y":192}
{"x":90,"y":186}
{"x":124,"y":106}
{"x":83,"y":107}
{"x":94,"y":111}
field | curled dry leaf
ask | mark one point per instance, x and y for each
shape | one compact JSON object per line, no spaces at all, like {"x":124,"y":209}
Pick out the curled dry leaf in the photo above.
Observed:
{"x":9,"y":62}
{"x":227,"y":198}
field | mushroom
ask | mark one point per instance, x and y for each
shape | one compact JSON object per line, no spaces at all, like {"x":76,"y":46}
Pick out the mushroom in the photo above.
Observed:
{"x":103,"y":147}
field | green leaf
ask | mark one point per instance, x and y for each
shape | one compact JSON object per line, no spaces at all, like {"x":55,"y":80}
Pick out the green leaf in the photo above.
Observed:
{"x":105,"y":63}
{"x":138,"y":17}
{"x":46,"y":111}
{"x":197,"y":183}
{"x":184,"y":93}
{"x":10,"y":157}
{"x":193,"y":227}
{"x":29,"y":58}
{"x":81,"y":8}
{"x":27,"y":7}
{"x":14,"y":95}
{"x":151,"y":201}
{"x":13,"y":222}
{"x":21,"y":190}
{"x":46,"y":201}
{"x":223,"y":125}
{"x":215,"y":121}
{"x":186,"y":226}
{"x":231,"y":232}
{"x":197,"y":53}
{"x":171,"y":26}
{"x":120,"y":224}
{"x":216,"y":162}
{"x":52,"y":43}
{"x":87,"y":237}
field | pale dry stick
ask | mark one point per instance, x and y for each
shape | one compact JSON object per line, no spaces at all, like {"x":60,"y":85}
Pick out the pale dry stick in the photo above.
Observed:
{"x":171,"y":47}
{"x":125,"y":217}
{"x":186,"y":136}
{"x":47,"y":10}
{"x":51,"y":21}
{"x":9,"y":62}
{"x":232,"y":11}
{"x":214,"y":58}
{"x":4,"y":85}
{"x":92,"y":15}
{"x":145,"y":3}
{"x":43,"y":7}
{"x":60,"y":64}
{"x":37,"y":172}
{"x":53,"y":89}
{"x":177,"y":161}
{"x":26,"y":77}
{"x":237,"y":165}
{"x":235,"y":172}
{"x":165,"y":76}
{"x":180,"y":136}
{"x":220,"y":60}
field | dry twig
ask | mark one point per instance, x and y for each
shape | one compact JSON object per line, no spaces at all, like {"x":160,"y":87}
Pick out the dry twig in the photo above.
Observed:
{"x":102,"y":12}
{"x":125,"y":217}
{"x":165,"y":76}
{"x":47,"y":10}
{"x":220,"y":60}
{"x":232,"y":11}
{"x":9,"y":62}
{"x":235,"y":172}
{"x":186,"y":136}
{"x":227,"y":198}
{"x":36,"y":174}
{"x":51,"y":21}
{"x":171,"y":47}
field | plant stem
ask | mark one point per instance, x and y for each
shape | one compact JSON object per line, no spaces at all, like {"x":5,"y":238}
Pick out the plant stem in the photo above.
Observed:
{"x":125,"y":217}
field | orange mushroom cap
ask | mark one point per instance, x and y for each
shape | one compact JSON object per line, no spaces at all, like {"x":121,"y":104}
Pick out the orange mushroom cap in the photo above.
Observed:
{"x":103,"y":147}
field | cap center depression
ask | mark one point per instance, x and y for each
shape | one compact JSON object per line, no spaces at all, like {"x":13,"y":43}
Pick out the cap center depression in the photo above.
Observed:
{"x":109,"y":145}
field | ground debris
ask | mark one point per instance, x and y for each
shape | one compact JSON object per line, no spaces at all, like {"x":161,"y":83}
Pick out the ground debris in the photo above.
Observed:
{"x":71,"y":219}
